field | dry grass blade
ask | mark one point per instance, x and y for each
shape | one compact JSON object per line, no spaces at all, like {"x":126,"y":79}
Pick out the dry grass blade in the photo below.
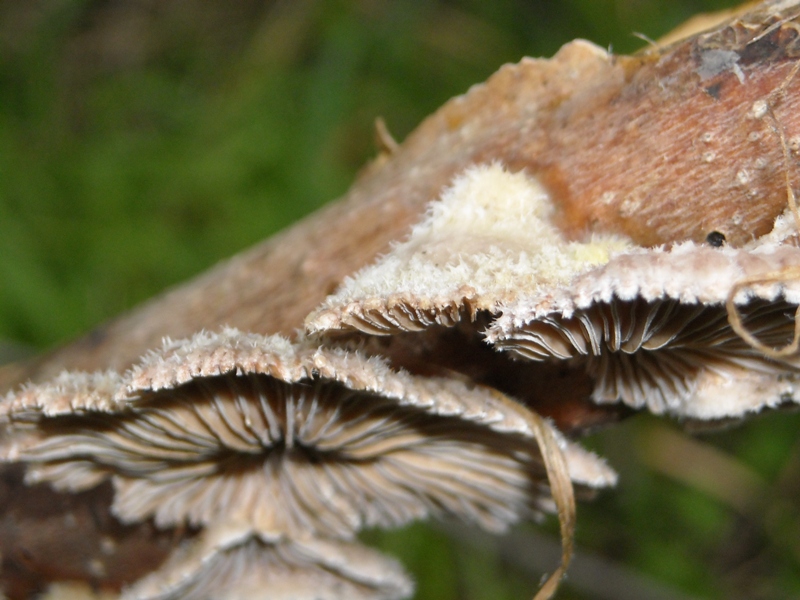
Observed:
{"x":735,"y":317}
{"x":560,"y":487}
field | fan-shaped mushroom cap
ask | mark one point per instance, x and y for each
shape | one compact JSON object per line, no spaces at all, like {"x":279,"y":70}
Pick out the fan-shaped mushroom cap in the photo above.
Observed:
{"x":649,"y":324}
{"x":488,"y":241}
{"x":652,"y":327}
{"x":246,"y":565}
{"x":327,"y":443}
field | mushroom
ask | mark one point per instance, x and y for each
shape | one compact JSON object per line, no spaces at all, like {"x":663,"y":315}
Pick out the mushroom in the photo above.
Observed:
{"x":597,"y":136}
{"x":230,"y":563}
{"x":652,"y":327}
{"x":489,"y":240}
{"x":291,"y":440}
{"x":649,"y":327}
{"x":339,"y":442}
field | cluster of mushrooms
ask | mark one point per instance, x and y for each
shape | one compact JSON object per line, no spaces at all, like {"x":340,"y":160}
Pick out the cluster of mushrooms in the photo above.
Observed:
{"x":446,"y":377}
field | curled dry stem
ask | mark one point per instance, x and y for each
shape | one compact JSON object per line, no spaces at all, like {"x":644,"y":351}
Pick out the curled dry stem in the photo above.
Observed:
{"x":558,"y":477}
{"x":383,"y":137}
{"x":734,"y":317}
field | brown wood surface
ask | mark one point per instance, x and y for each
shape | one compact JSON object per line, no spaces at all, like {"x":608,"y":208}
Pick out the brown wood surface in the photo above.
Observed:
{"x":49,"y":536}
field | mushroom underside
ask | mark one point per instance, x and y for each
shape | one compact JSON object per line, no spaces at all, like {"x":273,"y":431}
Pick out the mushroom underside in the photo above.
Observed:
{"x":332,"y":460}
{"x":654,"y":354}
{"x":595,"y":365}
{"x":558,"y":390}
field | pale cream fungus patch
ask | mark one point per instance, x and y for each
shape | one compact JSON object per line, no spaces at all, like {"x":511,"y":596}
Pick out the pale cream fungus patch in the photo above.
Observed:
{"x":489,"y":240}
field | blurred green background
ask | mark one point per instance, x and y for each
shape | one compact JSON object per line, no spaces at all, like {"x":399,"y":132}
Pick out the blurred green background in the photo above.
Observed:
{"x":143,"y":140}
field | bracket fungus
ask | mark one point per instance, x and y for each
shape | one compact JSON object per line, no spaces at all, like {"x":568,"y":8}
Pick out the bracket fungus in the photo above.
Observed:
{"x":295,"y":441}
{"x":648,"y":325}
{"x":488,"y":240}
{"x":652,"y":329}
{"x":576,"y":239}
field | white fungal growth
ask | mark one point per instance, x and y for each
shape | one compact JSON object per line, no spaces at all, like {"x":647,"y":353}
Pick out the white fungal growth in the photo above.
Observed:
{"x":716,"y":61}
{"x":488,"y":240}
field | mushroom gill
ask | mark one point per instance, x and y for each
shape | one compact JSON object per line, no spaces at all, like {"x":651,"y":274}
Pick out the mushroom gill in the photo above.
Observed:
{"x":488,"y":241}
{"x":308,"y":457}
{"x":335,"y":443}
{"x":644,"y":326}
{"x":236,"y":564}
{"x":651,"y":327}
{"x":654,"y":354}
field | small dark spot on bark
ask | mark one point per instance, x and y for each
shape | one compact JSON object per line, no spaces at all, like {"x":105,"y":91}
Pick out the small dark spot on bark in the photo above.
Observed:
{"x":716,"y":239}
{"x":764,"y":50}
{"x":713,"y":90}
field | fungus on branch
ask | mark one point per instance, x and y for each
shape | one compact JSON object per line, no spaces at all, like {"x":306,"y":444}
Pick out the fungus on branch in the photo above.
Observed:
{"x":489,"y":240}
{"x":290,"y":440}
{"x":337,"y":441}
{"x":651,"y":327}
{"x":648,"y":326}
{"x":612,"y":157}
